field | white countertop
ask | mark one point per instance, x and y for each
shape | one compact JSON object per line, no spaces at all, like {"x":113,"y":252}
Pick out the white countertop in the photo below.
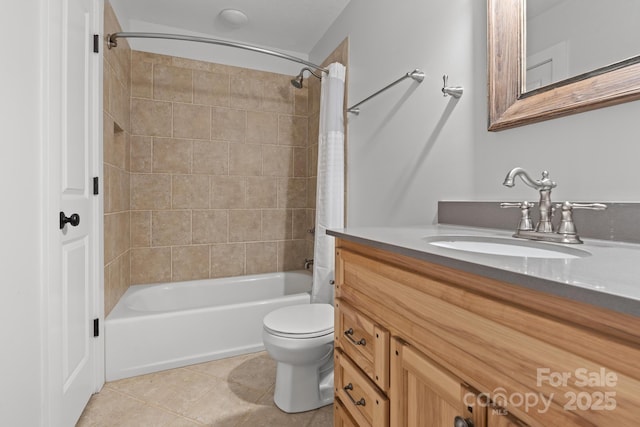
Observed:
{"x":609,"y":277}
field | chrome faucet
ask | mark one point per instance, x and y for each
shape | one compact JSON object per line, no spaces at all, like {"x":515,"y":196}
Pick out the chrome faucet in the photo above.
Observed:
{"x":544,"y":186}
{"x":567,"y":232}
{"x":308,"y":263}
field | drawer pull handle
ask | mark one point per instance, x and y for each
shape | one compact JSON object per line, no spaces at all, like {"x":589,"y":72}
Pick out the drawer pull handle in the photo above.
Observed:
{"x":349,"y":332}
{"x":461,"y":422}
{"x":361,"y":402}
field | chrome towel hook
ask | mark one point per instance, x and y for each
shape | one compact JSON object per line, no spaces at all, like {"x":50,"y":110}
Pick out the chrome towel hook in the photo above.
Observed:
{"x":455,"y":91}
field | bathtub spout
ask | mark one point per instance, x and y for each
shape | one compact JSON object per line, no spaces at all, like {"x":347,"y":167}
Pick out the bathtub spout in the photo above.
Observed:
{"x":308,"y":263}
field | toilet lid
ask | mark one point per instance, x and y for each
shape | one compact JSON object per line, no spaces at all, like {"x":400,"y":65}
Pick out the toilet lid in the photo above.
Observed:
{"x":301,"y":321}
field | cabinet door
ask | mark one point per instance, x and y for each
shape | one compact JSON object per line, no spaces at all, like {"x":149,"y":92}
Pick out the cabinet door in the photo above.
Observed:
{"x":341,"y":417}
{"x":423,"y":394}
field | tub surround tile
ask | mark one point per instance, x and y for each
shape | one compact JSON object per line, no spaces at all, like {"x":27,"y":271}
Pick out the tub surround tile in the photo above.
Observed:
{"x":172,"y":83}
{"x":210,"y":157}
{"x":302,"y":222}
{"x":262,"y":257}
{"x":227,"y":192}
{"x":278,"y":94}
{"x":151,"y":118}
{"x":190,"y":191}
{"x":141,"y":154}
{"x":211,"y":88}
{"x":228,"y":124}
{"x":262,"y":127}
{"x":277,"y":160}
{"x":170,"y":228}
{"x":150,"y":265}
{"x":245,"y":225}
{"x":227,"y":260}
{"x":150,"y":192}
{"x":300,"y":156}
{"x":210,"y":226}
{"x":246,"y":92}
{"x":292,"y":130}
{"x":189,"y":263}
{"x":245,"y":159}
{"x":261,"y":192}
{"x":172,"y":155}
{"x":291,"y":254}
{"x":141,"y":78}
{"x":191,"y":121}
{"x":301,"y":102}
{"x":292,"y":192}
{"x":140,"y":229}
{"x":280,"y":224}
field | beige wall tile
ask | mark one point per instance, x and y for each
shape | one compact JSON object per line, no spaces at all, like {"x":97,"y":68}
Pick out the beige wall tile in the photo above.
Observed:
{"x":151,"y":118}
{"x":170,"y":228}
{"x":277,"y":224}
{"x":140,"y":229}
{"x":228,"y":124}
{"x":302,"y":223}
{"x":172,"y":155}
{"x":210,"y":226}
{"x":292,"y":130}
{"x":190,"y":262}
{"x":245,"y":159}
{"x":277,"y":160}
{"x":120,"y":145}
{"x":110,"y":237}
{"x":245,"y":225}
{"x":291,"y":254}
{"x":119,"y":102}
{"x":190,"y":191}
{"x":211,"y":88}
{"x":141,"y":157}
{"x":261,"y":257}
{"x":153,"y":58}
{"x":211,"y":157}
{"x":150,"y":265}
{"x":245,"y":92}
{"x":150,"y":191}
{"x":262,"y":127}
{"x":313,"y":160}
{"x":106,"y":188}
{"x":106,"y":77}
{"x":278,"y":94}
{"x":191,"y":121}
{"x":311,"y":192}
{"x":300,"y":167}
{"x":141,"y":78}
{"x":261,"y":192}
{"x":292,"y":192}
{"x":172,"y":83}
{"x":123,"y":233}
{"x":200,"y":65}
{"x":314,"y":129}
{"x":227,"y":260}
{"x":227,"y":192}
{"x":301,"y":102}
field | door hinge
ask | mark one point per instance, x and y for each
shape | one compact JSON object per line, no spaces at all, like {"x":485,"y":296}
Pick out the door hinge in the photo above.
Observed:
{"x":96,"y":185}
{"x":96,"y":43}
{"x":96,"y":327}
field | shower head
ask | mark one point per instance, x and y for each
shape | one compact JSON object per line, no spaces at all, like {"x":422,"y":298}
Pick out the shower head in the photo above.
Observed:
{"x":297,"y":80}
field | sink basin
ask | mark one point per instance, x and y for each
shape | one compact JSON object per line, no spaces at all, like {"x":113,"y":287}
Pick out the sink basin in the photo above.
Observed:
{"x":505,"y":247}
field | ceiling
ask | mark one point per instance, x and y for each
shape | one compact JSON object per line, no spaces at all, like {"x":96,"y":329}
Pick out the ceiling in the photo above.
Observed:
{"x":288,"y":25}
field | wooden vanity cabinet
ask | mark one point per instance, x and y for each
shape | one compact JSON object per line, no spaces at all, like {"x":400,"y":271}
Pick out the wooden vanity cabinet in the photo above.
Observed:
{"x":449,"y":348}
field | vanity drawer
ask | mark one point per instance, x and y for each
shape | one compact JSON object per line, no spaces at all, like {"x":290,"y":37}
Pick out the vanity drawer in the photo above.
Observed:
{"x":361,"y":398}
{"x":364,"y":341}
{"x":341,"y":417}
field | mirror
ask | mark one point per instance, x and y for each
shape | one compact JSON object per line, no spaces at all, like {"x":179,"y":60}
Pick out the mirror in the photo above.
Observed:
{"x":511,"y":105}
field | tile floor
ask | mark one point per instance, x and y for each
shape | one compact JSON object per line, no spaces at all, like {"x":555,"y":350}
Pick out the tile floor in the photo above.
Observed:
{"x":233,"y":392}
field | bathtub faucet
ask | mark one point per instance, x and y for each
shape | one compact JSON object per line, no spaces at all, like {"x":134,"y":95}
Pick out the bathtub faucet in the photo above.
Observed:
{"x":308,"y":263}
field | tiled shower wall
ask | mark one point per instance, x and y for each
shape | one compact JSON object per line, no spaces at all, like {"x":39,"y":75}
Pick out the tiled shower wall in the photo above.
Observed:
{"x":116,"y":173}
{"x":219,"y":171}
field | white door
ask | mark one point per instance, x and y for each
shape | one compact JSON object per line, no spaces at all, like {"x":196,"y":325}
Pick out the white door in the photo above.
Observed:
{"x":74,"y":282}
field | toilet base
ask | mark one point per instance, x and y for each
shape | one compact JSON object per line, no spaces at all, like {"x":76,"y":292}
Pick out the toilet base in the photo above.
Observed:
{"x":313,"y":389}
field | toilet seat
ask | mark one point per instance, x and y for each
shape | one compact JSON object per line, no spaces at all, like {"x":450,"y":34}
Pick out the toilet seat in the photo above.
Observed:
{"x":300,"y":321}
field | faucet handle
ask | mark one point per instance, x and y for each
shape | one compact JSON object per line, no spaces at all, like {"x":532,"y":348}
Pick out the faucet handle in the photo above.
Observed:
{"x":567,"y":226}
{"x":525,"y":223}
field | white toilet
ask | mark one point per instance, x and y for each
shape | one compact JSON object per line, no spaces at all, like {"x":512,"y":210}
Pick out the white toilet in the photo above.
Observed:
{"x":300,"y":339}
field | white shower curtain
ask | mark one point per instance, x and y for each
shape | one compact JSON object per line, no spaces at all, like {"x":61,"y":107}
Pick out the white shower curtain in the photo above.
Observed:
{"x":330,"y":183}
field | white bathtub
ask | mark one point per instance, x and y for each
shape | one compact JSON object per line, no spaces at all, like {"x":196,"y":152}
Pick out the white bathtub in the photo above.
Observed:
{"x":163,"y":326}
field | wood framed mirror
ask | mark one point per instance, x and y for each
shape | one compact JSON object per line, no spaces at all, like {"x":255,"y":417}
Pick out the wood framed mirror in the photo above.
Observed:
{"x":511,"y":106}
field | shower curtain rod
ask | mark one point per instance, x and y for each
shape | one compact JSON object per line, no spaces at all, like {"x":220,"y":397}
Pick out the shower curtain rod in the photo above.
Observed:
{"x":112,"y":41}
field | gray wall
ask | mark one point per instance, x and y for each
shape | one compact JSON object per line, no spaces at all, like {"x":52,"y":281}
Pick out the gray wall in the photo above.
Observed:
{"x":410,"y":147}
